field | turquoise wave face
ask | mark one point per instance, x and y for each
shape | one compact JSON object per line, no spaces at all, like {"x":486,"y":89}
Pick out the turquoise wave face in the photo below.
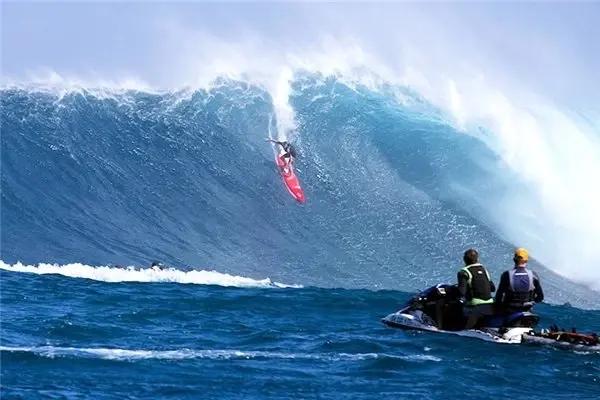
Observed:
{"x":394,"y":194}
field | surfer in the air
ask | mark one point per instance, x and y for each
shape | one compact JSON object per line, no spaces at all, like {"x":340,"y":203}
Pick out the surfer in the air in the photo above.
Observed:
{"x":290,"y":153}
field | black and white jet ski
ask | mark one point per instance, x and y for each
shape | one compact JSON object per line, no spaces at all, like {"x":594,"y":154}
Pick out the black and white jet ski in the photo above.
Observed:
{"x":420,"y":313}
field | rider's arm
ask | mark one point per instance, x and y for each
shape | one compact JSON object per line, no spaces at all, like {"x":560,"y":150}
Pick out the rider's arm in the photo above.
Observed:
{"x":539,"y":293}
{"x":502,"y":286}
{"x":275,"y":141}
{"x":462,"y":282}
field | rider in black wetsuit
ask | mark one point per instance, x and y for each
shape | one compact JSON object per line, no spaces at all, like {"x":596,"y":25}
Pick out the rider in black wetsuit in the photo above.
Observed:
{"x":290,"y":153}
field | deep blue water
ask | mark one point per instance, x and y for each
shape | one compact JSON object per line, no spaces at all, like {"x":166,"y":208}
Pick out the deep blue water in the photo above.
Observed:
{"x":268,"y":298}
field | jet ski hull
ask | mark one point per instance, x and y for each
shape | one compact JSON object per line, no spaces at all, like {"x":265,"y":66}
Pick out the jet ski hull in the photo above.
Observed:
{"x":416,"y":320}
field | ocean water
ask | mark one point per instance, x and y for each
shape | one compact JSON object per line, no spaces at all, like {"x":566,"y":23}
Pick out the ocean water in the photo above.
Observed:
{"x":266,"y":297}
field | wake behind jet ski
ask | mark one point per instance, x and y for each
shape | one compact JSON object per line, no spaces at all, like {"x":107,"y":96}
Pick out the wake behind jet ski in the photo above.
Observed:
{"x":421,"y":313}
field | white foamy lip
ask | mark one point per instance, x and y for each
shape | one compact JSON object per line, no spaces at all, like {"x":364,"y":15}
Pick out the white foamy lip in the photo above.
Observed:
{"x":52,"y":82}
{"x":186,"y":354}
{"x":130,"y":274}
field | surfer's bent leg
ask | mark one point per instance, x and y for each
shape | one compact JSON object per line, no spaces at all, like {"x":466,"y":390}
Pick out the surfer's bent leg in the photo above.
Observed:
{"x":287,"y":157}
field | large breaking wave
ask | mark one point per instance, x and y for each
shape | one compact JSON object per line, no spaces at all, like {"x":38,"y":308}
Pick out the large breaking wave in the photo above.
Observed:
{"x":397,"y":189}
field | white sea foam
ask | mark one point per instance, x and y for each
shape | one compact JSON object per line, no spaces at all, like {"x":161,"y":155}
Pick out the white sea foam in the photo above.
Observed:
{"x":184,"y":354}
{"x":131,"y":274}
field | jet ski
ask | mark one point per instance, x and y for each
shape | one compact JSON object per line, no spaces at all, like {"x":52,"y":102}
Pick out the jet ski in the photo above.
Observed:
{"x":420,"y":313}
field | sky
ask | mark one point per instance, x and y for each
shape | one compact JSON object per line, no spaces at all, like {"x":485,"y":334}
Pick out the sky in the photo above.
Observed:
{"x":550,"y":46}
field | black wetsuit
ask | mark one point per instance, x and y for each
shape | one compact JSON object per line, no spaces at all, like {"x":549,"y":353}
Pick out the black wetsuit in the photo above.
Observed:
{"x":290,"y":152}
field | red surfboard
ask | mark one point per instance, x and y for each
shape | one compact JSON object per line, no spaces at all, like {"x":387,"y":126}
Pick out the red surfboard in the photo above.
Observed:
{"x":290,"y":179}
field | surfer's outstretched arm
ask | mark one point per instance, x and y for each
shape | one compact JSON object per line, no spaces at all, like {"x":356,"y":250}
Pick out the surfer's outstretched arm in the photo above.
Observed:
{"x":275,"y":141}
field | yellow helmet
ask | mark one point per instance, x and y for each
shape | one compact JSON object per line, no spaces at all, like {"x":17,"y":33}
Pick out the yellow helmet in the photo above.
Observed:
{"x":522,"y":253}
